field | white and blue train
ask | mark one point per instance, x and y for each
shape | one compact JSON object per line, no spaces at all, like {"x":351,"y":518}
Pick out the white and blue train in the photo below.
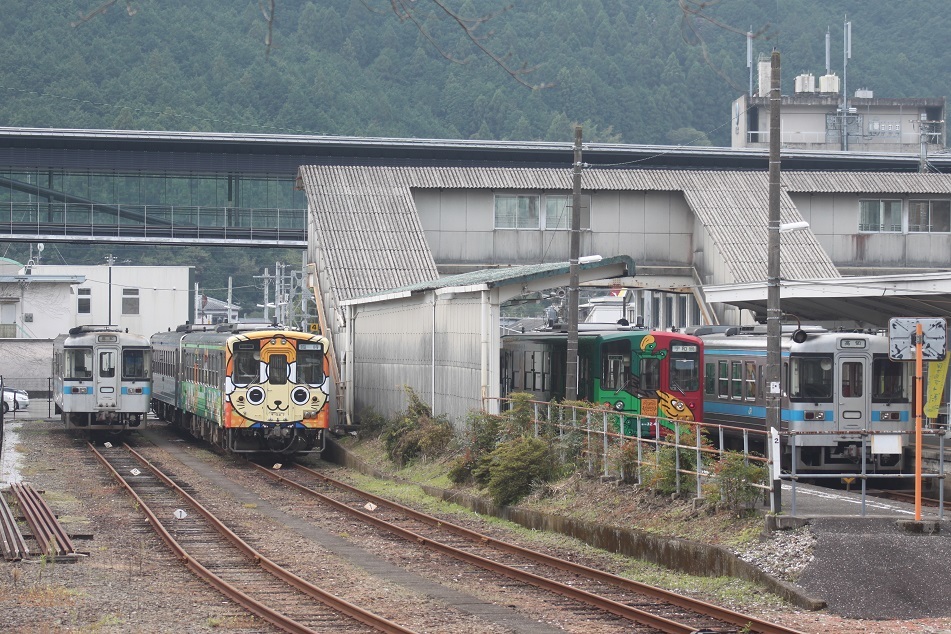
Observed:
{"x":834,"y":386}
{"x":101,"y":378}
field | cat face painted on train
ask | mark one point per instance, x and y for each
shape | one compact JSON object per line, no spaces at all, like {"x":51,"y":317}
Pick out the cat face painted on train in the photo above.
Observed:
{"x":268,"y":383}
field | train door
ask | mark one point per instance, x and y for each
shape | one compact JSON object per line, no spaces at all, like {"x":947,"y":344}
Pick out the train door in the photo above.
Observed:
{"x":107,"y":376}
{"x":853,"y":404}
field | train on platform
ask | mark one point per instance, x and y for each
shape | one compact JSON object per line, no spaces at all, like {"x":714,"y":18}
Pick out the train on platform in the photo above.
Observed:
{"x":247,"y":388}
{"x":649,"y":376}
{"x":834,"y":386}
{"x":101,"y":378}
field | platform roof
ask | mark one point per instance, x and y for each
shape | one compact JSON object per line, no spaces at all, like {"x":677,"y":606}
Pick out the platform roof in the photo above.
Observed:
{"x":864,"y":300}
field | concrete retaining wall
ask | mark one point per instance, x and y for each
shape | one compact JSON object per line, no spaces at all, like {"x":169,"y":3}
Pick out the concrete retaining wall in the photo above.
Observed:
{"x":683,"y":555}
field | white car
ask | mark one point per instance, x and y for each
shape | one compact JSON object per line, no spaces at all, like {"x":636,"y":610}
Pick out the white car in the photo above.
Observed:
{"x":15,"y":399}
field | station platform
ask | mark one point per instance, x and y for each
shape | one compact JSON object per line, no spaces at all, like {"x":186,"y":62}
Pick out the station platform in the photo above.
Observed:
{"x":808,"y":502}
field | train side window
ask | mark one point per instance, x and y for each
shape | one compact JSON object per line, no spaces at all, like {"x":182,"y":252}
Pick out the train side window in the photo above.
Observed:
{"x":614,"y":376}
{"x":736,"y":379}
{"x":107,"y":364}
{"x":852,"y":379}
{"x":723,"y":379}
{"x":709,"y":379}
{"x":750,"y":367}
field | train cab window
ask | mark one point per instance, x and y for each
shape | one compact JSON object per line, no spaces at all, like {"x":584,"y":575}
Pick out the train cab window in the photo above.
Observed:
{"x":888,"y":381}
{"x":650,"y":374}
{"x":810,"y":377}
{"x":134,"y":364}
{"x":78,"y":363}
{"x":107,"y":364}
{"x":310,"y":363}
{"x":852,"y":379}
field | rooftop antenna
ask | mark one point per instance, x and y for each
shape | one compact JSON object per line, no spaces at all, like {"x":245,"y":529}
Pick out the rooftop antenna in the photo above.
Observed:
{"x":846,"y":56}
{"x":749,"y":56}
{"x":828,"y":51}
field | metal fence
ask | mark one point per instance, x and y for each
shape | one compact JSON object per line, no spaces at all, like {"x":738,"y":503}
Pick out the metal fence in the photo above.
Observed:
{"x":626,"y":447}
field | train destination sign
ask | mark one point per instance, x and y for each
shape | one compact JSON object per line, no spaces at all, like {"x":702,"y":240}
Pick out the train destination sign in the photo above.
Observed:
{"x":901,"y":338}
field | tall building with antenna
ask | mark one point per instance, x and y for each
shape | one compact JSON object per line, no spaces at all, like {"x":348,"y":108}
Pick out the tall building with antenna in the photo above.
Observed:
{"x":821,"y":115}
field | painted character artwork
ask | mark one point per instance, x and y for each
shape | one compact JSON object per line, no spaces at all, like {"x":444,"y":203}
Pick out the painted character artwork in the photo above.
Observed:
{"x":275,"y":380}
{"x":673,"y":408}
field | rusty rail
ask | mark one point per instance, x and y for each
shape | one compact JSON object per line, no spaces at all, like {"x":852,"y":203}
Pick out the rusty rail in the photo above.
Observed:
{"x":11,"y":539}
{"x":47,"y":531}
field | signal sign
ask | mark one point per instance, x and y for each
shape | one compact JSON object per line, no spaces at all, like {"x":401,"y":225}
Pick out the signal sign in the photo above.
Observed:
{"x":901,"y":338}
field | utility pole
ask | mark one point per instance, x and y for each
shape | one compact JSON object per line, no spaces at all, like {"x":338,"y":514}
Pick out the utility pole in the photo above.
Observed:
{"x":571,"y":373}
{"x":773,"y":309}
{"x":230,"y":319}
{"x":267,"y":282}
{"x":110,"y":260}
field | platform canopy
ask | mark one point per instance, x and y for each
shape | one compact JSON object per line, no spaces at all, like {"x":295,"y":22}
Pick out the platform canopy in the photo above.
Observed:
{"x":868,"y":301}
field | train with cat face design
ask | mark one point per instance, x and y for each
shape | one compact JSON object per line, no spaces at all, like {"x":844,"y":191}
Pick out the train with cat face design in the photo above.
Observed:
{"x":247,"y":388}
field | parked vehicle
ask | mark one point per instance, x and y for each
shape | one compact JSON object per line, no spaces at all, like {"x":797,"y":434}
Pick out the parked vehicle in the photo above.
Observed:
{"x":15,"y":399}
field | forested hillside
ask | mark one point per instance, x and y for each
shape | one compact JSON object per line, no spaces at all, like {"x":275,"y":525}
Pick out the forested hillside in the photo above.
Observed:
{"x":631,"y":71}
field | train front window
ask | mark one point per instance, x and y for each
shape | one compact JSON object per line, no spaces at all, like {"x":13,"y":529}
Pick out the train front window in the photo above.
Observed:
{"x":684,"y":367}
{"x":888,"y":381}
{"x":78,"y":363}
{"x":107,"y":364}
{"x":134,"y":364}
{"x":245,"y":369}
{"x":810,"y":377}
{"x":852,"y":379}
{"x":277,"y":369}
{"x":650,"y":374}
{"x":310,"y":363}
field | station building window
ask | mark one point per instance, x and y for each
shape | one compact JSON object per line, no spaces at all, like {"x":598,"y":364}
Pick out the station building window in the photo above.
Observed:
{"x":880,"y":216}
{"x":130,"y":301}
{"x":539,"y":211}
{"x":84,"y":305}
{"x":929,"y":216}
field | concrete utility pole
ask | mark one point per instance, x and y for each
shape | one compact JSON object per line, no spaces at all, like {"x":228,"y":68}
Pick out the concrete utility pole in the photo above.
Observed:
{"x":773,"y":309}
{"x":571,"y":372}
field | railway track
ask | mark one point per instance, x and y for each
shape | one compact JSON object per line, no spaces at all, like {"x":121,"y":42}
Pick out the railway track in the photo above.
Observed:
{"x":216,"y":554}
{"x":600,"y":593}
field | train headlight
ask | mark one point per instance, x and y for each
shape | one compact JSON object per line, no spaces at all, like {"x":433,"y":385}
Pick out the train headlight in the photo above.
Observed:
{"x":889,"y":416}
{"x":814,"y":415}
{"x":619,"y":405}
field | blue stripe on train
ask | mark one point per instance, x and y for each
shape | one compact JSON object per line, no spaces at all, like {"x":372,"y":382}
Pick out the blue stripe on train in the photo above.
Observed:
{"x":755,"y":411}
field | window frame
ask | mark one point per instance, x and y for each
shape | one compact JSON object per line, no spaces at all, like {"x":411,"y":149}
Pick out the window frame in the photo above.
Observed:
{"x":881,"y":225}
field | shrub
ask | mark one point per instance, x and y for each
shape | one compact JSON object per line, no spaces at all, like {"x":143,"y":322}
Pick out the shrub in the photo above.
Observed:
{"x":371,"y":423}
{"x":415,"y":433}
{"x":515,"y":467}
{"x":479,"y":440}
{"x":733,"y":487}
{"x":661,"y":468}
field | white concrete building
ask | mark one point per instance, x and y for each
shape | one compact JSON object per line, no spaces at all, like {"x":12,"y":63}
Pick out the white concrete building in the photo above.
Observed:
{"x":142,"y":299}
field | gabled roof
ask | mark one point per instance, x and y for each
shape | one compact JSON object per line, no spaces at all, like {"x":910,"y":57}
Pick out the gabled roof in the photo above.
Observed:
{"x":368,"y":230}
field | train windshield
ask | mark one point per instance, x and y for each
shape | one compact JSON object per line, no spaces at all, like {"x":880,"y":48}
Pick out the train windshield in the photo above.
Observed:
{"x":78,"y":363}
{"x":134,"y":364}
{"x":889,"y":383}
{"x":810,"y":377}
{"x":310,"y":363}
{"x":684,"y":367}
